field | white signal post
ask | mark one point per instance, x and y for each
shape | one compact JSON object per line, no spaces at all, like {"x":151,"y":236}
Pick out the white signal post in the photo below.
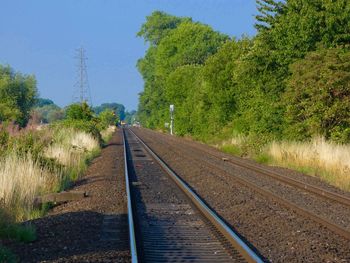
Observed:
{"x":171,"y":119}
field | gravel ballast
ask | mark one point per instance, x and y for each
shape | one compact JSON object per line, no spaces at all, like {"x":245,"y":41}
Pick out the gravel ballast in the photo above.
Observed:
{"x":279,"y":233}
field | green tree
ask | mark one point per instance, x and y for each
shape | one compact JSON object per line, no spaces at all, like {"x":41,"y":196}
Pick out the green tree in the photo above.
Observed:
{"x":178,"y":44}
{"x":117,"y":108}
{"x":318,"y":96}
{"x":188,"y":44}
{"x":244,"y":85}
{"x":79,"y":111}
{"x":107,"y":118}
{"x":17,"y":95}
{"x":182,"y":85}
{"x":158,"y":25}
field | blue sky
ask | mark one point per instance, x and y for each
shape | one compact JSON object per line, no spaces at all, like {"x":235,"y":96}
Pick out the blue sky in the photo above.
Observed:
{"x":40,"y":37}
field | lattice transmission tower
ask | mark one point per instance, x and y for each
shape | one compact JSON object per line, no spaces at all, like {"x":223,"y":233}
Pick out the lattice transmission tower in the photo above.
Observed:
{"x":82,"y":91}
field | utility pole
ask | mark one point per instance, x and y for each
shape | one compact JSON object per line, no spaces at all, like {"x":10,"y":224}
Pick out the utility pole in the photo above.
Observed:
{"x":82,"y":88}
{"x":172,"y":119}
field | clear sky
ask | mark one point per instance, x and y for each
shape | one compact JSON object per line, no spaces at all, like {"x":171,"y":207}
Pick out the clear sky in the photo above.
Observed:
{"x":40,"y":37}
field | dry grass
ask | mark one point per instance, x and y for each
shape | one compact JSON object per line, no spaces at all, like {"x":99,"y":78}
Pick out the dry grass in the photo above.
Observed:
{"x":71,"y":147}
{"x":21,"y":179}
{"x":67,"y":156}
{"x":83,"y":141}
{"x":318,"y":157}
{"x":107,"y":133}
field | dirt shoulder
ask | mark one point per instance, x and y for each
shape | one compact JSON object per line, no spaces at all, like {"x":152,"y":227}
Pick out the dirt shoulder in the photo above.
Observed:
{"x":94,"y":229}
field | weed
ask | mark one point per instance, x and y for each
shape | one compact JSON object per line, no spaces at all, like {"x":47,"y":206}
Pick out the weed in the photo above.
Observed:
{"x":263,"y":158}
{"x":231,"y":149}
{"x":19,"y":232}
{"x":6,"y":256}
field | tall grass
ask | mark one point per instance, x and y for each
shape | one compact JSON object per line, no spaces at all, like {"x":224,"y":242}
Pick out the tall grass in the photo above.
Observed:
{"x":71,"y":148}
{"x":23,"y":177}
{"x":107,"y":133}
{"x":319,"y":157}
{"x":327,"y":160}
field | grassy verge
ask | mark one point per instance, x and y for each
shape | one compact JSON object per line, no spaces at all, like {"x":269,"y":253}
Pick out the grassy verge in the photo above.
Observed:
{"x":33,"y":163}
{"x":327,"y":160}
{"x":107,"y":133}
{"x":318,"y":157}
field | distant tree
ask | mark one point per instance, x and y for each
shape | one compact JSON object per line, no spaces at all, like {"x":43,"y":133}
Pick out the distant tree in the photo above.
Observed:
{"x":117,"y":108}
{"x":40,"y":102}
{"x":17,"y":95}
{"x":49,"y":113}
{"x":130,"y":116}
{"x":107,"y":118}
{"x":79,"y":111}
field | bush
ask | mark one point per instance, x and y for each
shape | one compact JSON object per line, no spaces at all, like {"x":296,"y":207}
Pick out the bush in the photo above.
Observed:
{"x":7,"y":256}
{"x":318,"y":96}
{"x":79,"y":112}
{"x":107,"y":118}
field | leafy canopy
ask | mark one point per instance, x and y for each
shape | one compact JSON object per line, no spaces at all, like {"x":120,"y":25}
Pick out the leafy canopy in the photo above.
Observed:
{"x":18,"y":94}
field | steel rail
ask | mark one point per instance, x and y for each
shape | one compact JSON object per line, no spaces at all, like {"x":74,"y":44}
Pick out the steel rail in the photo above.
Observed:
{"x":132,"y":239}
{"x":221,"y":226}
{"x":303,"y":212}
{"x":293,"y":182}
{"x":282,"y":178}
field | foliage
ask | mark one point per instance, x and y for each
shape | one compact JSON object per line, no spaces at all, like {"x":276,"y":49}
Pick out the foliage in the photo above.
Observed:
{"x":188,"y":44}
{"x":158,"y":25}
{"x":130,"y":116}
{"x":291,"y":79}
{"x":41,"y":102}
{"x":45,"y":111}
{"x":107,"y":118}
{"x":117,"y":108}
{"x":17,"y":95}
{"x":22,"y":233}
{"x":79,"y":111}
{"x":7,"y":256}
{"x":180,"y":45}
{"x":318,"y":96}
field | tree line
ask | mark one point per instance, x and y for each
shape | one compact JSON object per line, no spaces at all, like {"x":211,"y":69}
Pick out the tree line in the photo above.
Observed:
{"x":291,"y":80}
{"x":20,"y":102}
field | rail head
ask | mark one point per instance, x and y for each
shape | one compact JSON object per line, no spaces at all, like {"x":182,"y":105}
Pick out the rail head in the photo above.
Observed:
{"x":132,"y":238}
{"x":248,"y":254}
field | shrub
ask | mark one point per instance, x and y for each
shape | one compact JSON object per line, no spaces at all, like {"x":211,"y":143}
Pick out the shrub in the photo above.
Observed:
{"x":7,"y":256}
{"x":318,"y":96}
{"x":107,"y":118}
{"x":79,"y":112}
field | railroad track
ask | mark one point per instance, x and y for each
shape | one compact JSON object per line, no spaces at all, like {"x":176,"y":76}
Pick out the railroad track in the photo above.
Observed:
{"x":275,"y":175}
{"x":267,"y":193}
{"x":168,"y":222}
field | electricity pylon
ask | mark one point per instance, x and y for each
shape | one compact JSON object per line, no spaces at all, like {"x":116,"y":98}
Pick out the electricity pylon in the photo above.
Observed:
{"x":82,"y":88}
